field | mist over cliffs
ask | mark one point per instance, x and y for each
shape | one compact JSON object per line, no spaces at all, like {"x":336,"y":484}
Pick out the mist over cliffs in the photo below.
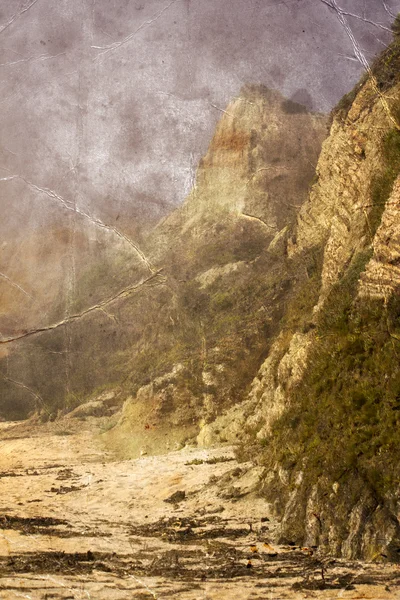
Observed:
{"x":195,"y":294}
{"x":263,"y":312}
{"x":323,"y":411}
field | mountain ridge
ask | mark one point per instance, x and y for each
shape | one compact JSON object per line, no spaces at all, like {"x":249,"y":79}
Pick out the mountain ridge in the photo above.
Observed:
{"x":135,"y":343}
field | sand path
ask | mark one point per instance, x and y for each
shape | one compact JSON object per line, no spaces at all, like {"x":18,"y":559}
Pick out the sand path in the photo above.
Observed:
{"x":76,"y":523}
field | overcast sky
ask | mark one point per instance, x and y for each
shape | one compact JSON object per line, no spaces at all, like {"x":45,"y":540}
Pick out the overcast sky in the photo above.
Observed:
{"x":109,"y":104}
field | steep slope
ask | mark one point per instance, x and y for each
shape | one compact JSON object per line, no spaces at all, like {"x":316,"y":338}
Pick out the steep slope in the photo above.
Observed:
{"x":322,"y":414}
{"x":219,"y":256}
{"x":258,"y":165}
{"x":381,"y":278}
{"x":184,"y":338}
{"x":265,"y":311}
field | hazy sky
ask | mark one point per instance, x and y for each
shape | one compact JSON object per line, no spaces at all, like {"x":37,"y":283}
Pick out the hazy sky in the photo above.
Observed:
{"x":109,"y":104}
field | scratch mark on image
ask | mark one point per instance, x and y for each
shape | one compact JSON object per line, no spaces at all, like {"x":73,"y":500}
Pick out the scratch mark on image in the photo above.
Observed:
{"x":121,"y":294}
{"x":116,"y":45}
{"x":17,"y":16}
{"x":361,"y":56}
{"x":41,"y":57}
{"x":69,"y":205}
{"x":16,"y":285}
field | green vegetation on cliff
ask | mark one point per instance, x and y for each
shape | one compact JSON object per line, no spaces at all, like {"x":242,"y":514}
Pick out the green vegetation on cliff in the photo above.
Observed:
{"x":344,"y":416}
{"x":333,"y":451}
{"x":386,"y":67}
{"x":382,"y":183}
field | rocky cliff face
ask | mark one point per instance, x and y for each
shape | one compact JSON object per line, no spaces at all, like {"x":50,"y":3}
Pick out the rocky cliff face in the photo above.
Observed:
{"x":381,"y":278}
{"x":265,"y":312}
{"x":259,"y":163}
{"x":322,"y":411}
{"x":203,"y":297}
{"x":341,"y":219}
{"x":218,"y":255}
{"x":342,"y":212}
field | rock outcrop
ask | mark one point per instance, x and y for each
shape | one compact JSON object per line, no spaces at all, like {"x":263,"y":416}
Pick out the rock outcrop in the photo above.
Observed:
{"x":205,"y":295}
{"x":321,"y":413}
{"x":265,"y":312}
{"x":381,"y":278}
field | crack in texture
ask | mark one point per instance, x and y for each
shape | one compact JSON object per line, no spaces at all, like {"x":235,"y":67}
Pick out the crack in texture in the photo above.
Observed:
{"x":70,"y":296}
{"x":360,"y":18}
{"x":145,"y":586}
{"x":68,"y":205}
{"x":274,"y":227}
{"x":154,"y":279}
{"x":341,"y":14}
{"x":116,"y":45}
{"x":110,"y":316}
{"x":16,"y":285}
{"x":222,"y":110}
{"x":268,"y":168}
{"x":17,"y":16}
{"x":387,"y":9}
{"x":333,"y":4}
{"x":71,"y":288}
{"x":25,"y":387}
{"x":41,"y":57}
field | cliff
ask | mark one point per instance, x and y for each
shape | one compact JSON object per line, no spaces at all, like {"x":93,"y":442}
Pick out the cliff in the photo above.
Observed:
{"x":218,"y":254}
{"x":179,"y":333}
{"x":263,"y":312}
{"x":322,"y":413}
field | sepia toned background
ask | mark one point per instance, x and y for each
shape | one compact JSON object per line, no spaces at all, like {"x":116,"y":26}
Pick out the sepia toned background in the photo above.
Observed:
{"x":199,"y":299}
{"x":110,"y":104}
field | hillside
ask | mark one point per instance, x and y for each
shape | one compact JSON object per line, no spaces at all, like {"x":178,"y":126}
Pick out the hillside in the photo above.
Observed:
{"x":182,"y":332}
{"x":322,"y":414}
{"x":264,"y":312}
